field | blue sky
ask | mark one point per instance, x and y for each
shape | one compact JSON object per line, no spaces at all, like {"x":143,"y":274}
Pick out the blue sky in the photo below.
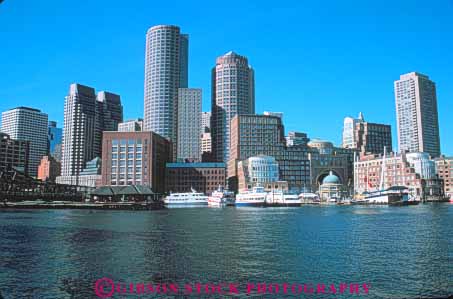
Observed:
{"x":316,"y":61}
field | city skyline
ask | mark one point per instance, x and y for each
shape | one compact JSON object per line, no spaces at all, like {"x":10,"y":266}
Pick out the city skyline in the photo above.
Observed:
{"x":373,"y":94}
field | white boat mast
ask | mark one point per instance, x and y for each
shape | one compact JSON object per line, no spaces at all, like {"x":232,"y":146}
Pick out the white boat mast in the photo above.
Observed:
{"x":381,"y":185}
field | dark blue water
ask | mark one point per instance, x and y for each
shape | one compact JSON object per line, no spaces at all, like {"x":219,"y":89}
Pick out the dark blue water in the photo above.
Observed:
{"x":402,"y":252}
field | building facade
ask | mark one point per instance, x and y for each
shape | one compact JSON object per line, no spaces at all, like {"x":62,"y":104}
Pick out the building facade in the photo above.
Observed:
{"x":296,"y":138}
{"x":13,"y":154}
{"x":254,"y":135}
{"x":206,"y":143}
{"x":257,"y":171}
{"x":135,"y":158}
{"x":189,"y":124}
{"x":49,"y":169}
{"x":366,"y":137}
{"x":23,"y":123}
{"x":166,"y":70}
{"x":202,"y":177}
{"x":86,"y":117}
{"x":54,"y":139}
{"x":444,"y":168}
{"x":233,"y":93}
{"x":205,"y":122}
{"x":416,"y":114}
{"x":134,"y":125}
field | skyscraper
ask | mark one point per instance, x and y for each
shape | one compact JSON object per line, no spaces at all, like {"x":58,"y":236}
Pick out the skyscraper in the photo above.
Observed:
{"x":349,"y":124}
{"x":85,"y":118}
{"x":54,"y":138}
{"x":233,"y":92}
{"x":189,"y":123}
{"x":23,"y":123}
{"x":205,"y":122}
{"x":416,"y":113}
{"x":166,"y":70}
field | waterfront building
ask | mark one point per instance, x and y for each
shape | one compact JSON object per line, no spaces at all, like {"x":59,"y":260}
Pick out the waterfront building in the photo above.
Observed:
{"x":166,"y":70}
{"x":413,"y":172}
{"x":49,"y":169}
{"x":189,"y":124}
{"x":416,"y":114}
{"x":135,"y":158}
{"x":13,"y":154}
{"x":296,"y":138}
{"x":444,"y":168}
{"x":54,"y":139}
{"x":233,"y":93}
{"x":24,"y":123}
{"x":365,"y":136}
{"x":262,"y":171}
{"x":86,"y":116}
{"x":254,"y":135}
{"x":203,"y":177}
{"x":325,"y":158}
{"x":205,"y":122}
{"x":89,"y":176}
{"x":332,"y":188}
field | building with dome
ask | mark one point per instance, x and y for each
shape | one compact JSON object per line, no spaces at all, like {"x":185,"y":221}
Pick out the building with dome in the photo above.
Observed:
{"x":332,"y":188}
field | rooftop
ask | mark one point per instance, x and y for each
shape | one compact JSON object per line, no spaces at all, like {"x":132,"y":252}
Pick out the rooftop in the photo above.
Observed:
{"x":196,"y":165}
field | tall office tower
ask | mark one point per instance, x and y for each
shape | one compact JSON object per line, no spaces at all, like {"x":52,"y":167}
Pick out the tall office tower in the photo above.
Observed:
{"x":54,"y":138}
{"x":366,"y":137}
{"x":416,"y":114}
{"x":166,"y":63}
{"x":23,"y":123}
{"x":233,"y":93}
{"x":296,"y":139}
{"x":205,"y":122}
{"x":189,"y":123}
{"x":349,"y":124}
{"x":85,"y":118}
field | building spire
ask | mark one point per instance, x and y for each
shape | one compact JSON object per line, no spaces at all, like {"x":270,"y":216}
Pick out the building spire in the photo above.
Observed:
{"x":361,"y":118}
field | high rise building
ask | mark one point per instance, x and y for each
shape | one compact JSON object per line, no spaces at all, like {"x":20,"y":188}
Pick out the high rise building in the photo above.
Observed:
{"x":416,"y":114}
{"x":86,"y":116}
{"x":206,"y":143}
{"x":278,"y":114}
{"x":233,"y":93}
{"x":349,"y":127}
{"x":13,"y":154}
{"x":189,"y":124}
{"x":205,"y":122}
{"x":23,"y":123}
{"x":366,"y":137}
{"x":133,"y":125}
{"x":166,"y":69}
{"x":296,"y":138}
{"x":54,"y":139}
{"x":48,"y":169}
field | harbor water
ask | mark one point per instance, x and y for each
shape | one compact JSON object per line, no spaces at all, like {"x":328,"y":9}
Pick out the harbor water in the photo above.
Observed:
{"x":400,"y":252}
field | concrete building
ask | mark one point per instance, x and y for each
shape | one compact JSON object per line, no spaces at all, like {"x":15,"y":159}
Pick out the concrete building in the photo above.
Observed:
{"x":49,"y":169}
{"x":365,"y":136}
{"x":233,"y":93}
{"x":205,"y":122}
{"x":166,"y":70}
{"x":278,"y":114}
{"x":86,"y":117}
{"x":189,"y":124}
{"x":297,"y":138}
{"x":23,"y":123}
{"x":444,"y":168}
{"x":135,"y":158}
{"x":54,"y":139}
{"x":13,"y":154}
{"x":203,"y":177}
{"x":416,"y":114}
{"x":331,"y":187}
{"x":254,"y":135}
{"x":205,"y":143}
{"x":134,"y":125}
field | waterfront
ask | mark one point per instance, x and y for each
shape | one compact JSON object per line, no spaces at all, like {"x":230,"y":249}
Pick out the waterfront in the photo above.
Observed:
{"x":400,"y":251}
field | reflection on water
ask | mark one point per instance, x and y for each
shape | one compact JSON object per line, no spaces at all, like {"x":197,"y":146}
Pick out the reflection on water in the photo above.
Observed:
{"x":400,"y":251}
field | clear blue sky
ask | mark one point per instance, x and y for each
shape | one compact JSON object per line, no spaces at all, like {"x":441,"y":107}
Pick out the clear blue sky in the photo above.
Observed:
{"x":316,"y":61}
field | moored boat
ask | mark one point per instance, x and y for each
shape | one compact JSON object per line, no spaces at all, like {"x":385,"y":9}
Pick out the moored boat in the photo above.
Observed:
{"x":221,"y":197}
{"x":186,"y":199}
{"x":283,"y":199}
{"x":254,"y":198}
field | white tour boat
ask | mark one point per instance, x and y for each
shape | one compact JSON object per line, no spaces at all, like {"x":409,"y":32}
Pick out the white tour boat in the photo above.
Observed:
{"x":186,"y":199}
{"x":256,"y":197}
{"x":281,"y":198}
{"x":221,"y":197}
